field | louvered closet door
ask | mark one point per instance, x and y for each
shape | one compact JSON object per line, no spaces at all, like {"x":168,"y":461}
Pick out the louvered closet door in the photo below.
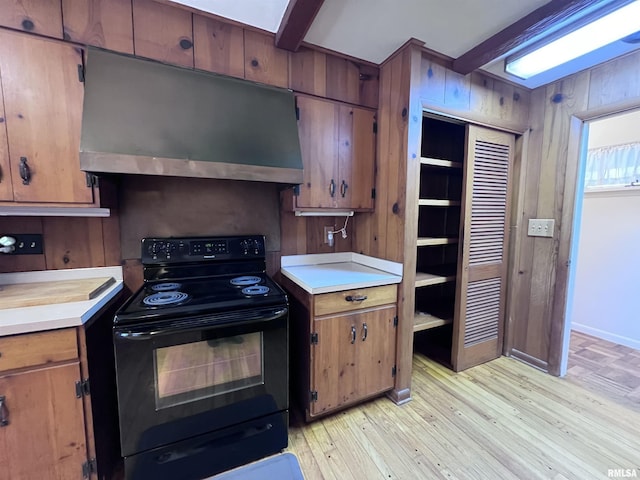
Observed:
{"x":482,"y":269}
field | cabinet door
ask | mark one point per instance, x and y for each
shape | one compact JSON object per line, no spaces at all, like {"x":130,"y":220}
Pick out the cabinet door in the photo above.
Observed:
{"x":333,"y":362}
{"x":353,"y":358}
{"x":6,"y":189}
{"x":357,"y":158}
{"x":45,"y":437}
{"x":318,"y":132}
{"x":376,"y":342}
{"x":482,"y":269}
{"x":43,"y":106}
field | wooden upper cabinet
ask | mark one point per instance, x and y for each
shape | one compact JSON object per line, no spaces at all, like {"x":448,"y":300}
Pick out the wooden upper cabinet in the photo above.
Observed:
{"x":101,"y":23}
{"x":318,"y":132}
{"x":43,"y":107}
{"x":43,"y":17}
{"x":263,"y":62}
{"x":163,"y":32}
{"x":218,"y":46}
{"x":357,"y":158}
{"x":338,"y":155}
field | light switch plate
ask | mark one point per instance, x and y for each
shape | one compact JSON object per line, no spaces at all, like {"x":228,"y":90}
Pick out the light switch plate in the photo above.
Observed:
{"x":541,"y":227}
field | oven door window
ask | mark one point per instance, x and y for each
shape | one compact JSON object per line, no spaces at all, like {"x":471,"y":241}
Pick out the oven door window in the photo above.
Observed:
{"x":193,"y":371}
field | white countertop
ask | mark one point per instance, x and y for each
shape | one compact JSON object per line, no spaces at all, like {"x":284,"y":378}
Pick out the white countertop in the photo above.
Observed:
{"x":55,"y":315}
{"x":334,"y":272}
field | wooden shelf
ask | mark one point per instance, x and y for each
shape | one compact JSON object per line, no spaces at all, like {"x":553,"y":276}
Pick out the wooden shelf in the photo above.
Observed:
{"x":425,"y":321}
{"x":427,"y":279}
{"x":429,"y":241}
{"x":437,"y":162}
{"x":432,"y":202}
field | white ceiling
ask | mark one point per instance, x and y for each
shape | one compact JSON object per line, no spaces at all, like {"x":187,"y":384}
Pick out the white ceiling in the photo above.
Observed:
{"x":373,"y":29}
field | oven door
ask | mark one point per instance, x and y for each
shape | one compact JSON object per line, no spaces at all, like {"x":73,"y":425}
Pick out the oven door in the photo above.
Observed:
{"x":185,"y":377}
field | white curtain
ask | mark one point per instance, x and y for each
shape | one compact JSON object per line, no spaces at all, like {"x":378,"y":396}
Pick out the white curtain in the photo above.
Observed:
{"x":613,"y":165}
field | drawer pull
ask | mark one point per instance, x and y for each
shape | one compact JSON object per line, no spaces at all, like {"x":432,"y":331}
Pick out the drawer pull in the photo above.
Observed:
{"x":364,"y":332}
{"x":353,"y":334}
{"x":355,"y":298}
{"x":4,"y":412}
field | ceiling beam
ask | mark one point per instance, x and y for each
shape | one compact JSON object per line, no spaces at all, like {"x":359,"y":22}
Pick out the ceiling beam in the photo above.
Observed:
{"x":296,"y":22}
{"x":533,"y":24}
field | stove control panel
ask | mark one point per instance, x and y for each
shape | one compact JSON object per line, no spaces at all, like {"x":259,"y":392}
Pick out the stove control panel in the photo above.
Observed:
{"x":198,"y":249}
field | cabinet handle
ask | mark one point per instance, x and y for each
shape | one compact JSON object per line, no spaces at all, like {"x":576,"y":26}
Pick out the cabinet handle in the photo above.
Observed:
{"x":25,"y":171}
{"x":355,"y":298}
{"x":332,"y":188}
{"x":353,"y":334}
{"x":343,"y":188}
{"x":364,"y":332}
{"x":4,"y":412}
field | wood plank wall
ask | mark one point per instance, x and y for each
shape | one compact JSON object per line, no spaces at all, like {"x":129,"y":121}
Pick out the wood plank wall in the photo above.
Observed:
{"x":179,"y":36}
{"x":549,"y":183}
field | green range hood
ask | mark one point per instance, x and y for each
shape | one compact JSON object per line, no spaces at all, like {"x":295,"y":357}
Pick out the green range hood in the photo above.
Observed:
{"x":144,"y":117}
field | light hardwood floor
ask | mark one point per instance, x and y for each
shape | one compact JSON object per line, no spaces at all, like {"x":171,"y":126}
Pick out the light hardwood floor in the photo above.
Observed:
{"x":500,"y":420}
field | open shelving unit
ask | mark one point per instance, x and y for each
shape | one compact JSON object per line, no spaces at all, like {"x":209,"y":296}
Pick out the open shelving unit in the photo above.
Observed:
{"x":440,"y":194}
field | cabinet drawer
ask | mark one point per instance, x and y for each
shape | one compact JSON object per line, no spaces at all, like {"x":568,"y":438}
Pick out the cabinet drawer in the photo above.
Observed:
{"x":31,"y":349}
{"x":348,"y":300}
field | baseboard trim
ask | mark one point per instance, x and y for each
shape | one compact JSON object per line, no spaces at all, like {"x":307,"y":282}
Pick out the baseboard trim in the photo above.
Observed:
{"x":529,"y":360}
{"x":608,"y":336}
{"x":400,"y":397}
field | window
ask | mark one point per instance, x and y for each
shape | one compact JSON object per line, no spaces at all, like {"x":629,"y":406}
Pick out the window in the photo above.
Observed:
{"x":613,"y":166}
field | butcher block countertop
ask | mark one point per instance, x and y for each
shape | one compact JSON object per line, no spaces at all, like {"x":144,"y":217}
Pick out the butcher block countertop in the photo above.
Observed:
{"x":333,"y":272}
{"x":49,"y":299}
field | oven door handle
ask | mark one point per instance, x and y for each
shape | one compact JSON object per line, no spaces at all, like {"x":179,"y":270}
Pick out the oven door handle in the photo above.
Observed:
{"x":200,"y":324}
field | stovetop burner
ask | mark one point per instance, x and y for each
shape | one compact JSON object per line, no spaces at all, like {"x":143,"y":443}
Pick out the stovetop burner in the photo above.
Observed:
{"x":162,"y":299}
{"x":245,"y":280}
{"x":255,"y":290}
{"x":196,"y":276}
{"x":166,"y":286}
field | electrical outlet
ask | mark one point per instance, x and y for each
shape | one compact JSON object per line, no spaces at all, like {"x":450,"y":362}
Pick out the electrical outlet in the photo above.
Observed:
{"x":541,"y":227}
{"x":328,"y":235}
{"x":27,"y":243}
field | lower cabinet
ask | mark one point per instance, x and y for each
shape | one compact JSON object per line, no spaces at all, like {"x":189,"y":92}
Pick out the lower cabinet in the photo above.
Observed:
{"x":343,"y":346}
{"x":42,"y":423}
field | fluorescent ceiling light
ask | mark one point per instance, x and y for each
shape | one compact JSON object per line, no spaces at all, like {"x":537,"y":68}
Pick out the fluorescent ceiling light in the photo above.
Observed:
{"x":602,"y":31}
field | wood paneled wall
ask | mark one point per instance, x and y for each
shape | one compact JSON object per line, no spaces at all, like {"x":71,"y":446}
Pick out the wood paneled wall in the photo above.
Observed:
{"x":160,"y":31}
{"x":69,"y":242}
{"x":539,"y":288}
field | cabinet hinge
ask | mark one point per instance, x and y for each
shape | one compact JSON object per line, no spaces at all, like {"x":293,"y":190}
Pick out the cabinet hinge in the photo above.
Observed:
{"x":375,"y":127}
{"x":373,"y":193}
{"x":82,"y":388}
{"x":314,"y":338}
{"x":92,"y":180}
{"x":89,"y":467}
{"x":393,"y":371}
{"x":296,"y":190}
{"x":81,"y":73}
{"x":314,"y":396}
{"x":395,"y":321}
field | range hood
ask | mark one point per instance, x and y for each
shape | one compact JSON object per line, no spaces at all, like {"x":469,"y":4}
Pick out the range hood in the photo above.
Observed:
{"x":144,"y":117}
